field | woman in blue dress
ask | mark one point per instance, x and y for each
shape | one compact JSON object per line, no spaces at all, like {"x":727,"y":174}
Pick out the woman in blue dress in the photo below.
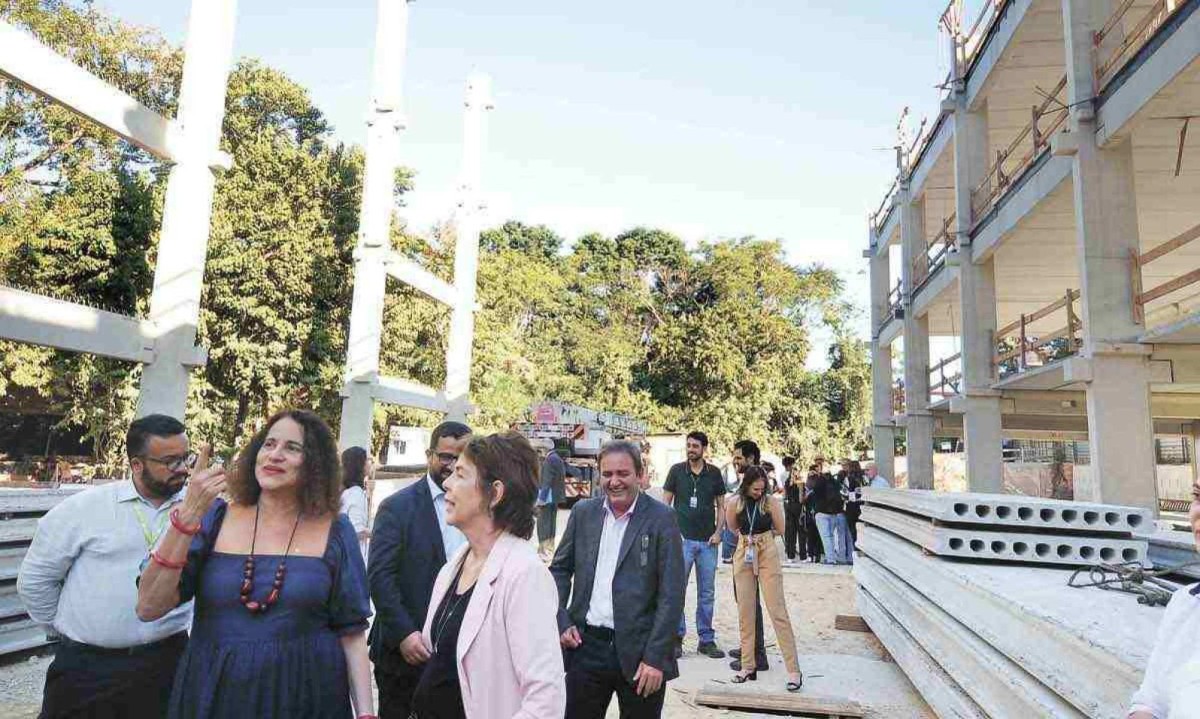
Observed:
{"x":279,"y":582}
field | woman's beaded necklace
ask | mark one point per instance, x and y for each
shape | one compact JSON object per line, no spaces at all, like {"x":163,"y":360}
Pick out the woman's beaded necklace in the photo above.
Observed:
{"x":256,"y":607}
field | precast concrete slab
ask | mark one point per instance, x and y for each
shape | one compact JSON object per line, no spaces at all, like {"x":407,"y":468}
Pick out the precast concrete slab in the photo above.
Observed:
{"x":937,"y":688}
{"x":1013,"y":510}
{"x":1174,"y":549}
{"x":1088,"y":645}
{"x":995,"y":544}
{"x":990,"y":678}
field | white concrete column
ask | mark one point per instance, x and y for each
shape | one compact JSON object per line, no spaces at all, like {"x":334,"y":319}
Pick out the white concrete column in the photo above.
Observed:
{"x":982,"y":432}
{"x":466,"y":253}
{"x":1120,"y":427}
{"x":918,"y":420}
{"x":385,"y":122}
{"x":187,"y":209}
{"x":883,"y":430}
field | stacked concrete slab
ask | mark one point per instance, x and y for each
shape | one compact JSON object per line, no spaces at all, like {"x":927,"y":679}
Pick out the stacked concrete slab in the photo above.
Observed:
{"x":999,"y":636}
{"x":1171,"y":549}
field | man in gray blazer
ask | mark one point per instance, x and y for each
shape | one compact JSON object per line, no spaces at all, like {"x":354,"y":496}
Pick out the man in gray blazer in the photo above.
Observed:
{"x":628,"y":546}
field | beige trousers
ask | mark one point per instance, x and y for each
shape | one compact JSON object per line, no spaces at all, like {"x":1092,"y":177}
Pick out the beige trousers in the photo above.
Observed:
{"x":768,"y":575}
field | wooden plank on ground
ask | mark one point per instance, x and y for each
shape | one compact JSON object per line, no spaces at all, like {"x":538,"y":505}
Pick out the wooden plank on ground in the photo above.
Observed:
{"x":718,"y":695}
{"x":850,"y":623}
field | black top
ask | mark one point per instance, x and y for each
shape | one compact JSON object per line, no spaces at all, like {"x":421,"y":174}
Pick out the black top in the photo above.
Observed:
{"x":761,"y":514}
{"x":792,"y":494}
{"x":438,"y":694}
{"x":697,"y":523}
{"x":828,"y":499}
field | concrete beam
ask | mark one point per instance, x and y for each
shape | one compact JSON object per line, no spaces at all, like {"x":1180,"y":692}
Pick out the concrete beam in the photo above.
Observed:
{"x":943,"y":138}
{"x":1015,"y":511}
{"x":991,"y":679}
{"x":1120,"y":102}
{"x":891,"y":331}
{"x":420,"y":279}
{"x":932,"y":289}
{"x":1017,"y":204}
{"x":997,"y":545}
{"x":989,"y":57}
{"x":37,"y":67}
{"x":40,"y":320}
{"x":1174,"y":549}
{"x":944,"y":695}
{"x":1032,"y":617}
{"x":394,"y":390}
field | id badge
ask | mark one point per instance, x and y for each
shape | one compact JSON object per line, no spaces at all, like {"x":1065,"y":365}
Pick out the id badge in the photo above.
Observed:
{"x":750,"y":555}
{"x":693,"y":503}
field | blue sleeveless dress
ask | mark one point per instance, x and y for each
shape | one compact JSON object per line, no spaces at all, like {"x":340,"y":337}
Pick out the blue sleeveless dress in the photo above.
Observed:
{"x":287,"y":662}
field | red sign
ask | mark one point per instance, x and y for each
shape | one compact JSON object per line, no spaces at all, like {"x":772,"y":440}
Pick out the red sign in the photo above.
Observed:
{"x":545,"y":414}
{"x":579,"y":431}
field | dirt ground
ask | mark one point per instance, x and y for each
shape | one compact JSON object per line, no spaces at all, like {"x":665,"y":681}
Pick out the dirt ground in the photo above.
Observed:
{"x":844,"y":664}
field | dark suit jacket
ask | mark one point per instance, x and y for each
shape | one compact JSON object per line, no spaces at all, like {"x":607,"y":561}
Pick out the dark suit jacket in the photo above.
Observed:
{"x":648,"y":586}
{"x":403,"y":563}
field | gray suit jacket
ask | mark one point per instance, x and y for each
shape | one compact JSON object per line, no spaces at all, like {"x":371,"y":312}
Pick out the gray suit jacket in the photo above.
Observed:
{"x":648,"y":586}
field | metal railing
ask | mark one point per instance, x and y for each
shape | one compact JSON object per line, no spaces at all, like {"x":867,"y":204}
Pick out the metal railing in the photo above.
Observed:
{"x":941,"y":384}
{"x":1139,"y":260}
{"x":973,"y":40}
{"x":934,"y":259}
{"x":879,"y":217}
{"x":1017,"y":350}
{"x":1112,"y":58}
{"x":1033,"y":138}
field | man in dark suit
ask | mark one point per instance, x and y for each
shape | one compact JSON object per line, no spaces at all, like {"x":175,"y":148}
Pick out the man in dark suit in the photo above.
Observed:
{"x":409,"y":544}
{"x":627,"y":546}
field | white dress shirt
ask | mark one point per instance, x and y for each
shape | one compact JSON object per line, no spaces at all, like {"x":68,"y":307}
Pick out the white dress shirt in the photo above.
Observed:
{"x":80,"y":573}
{"x":354,"y":506}
{"x":600,"y":609}
{"x":452,"y":539}
{"x":1171,"y":686}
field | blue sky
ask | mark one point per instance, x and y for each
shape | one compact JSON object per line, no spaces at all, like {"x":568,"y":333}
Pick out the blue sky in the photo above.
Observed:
{"x":707,"y":118}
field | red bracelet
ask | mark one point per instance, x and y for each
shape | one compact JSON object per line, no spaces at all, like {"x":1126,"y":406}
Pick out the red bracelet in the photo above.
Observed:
{"x":177,"y":523}
{"x":164,"y":562}
{"x":368,"y":716}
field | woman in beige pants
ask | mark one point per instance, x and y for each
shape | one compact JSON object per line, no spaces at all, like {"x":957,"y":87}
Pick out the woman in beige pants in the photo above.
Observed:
{"x":758,"y":517}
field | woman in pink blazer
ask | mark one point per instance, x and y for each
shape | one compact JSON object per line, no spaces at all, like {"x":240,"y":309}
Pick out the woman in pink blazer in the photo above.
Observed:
{"x":491,"y":628}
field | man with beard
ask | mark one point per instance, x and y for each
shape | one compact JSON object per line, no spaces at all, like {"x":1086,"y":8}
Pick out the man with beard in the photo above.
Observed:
{"x":409,"y":545}
{"x":697,"y":493}
{"x":80,"y":576}
{"x":745,"y":454}
{"x":619,"y":571}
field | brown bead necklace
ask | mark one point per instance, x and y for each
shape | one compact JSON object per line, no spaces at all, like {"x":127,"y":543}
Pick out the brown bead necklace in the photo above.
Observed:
{"x":255,"y":607}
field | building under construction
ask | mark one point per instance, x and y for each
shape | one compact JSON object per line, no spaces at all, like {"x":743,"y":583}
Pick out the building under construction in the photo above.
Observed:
{"x":1035,"y":263}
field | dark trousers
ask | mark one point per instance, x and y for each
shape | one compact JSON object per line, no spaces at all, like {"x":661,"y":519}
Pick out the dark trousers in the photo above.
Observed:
{"x":760,"y":647}
{"x":794,"y":540}
{"x":816,"y":549}
{"x":86,"y":682}
{"x":594,"y":674}
{"x":396,"y":692}
{"x":853,"y":512}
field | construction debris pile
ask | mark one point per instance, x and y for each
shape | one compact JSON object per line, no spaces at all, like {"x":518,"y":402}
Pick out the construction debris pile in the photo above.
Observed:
{"x":964,"y":591}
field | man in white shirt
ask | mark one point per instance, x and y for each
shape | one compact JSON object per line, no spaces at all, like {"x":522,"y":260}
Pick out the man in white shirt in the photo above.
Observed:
{"x":80,"y":577}
{"x":628,"y":547}
{"x":410,"y":543}
{"x":875,"y":479}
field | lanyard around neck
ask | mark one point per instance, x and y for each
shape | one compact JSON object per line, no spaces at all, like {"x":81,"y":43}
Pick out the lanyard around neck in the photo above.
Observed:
{"x":151,"y":537}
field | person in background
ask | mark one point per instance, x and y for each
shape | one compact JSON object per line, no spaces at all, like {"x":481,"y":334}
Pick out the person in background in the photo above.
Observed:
{"x":109,"y":664}
{"x":410,"y":542}
{"x":758,"y":517}
{"x":619,"y":571}
{"x":1171,"y":684}
{"x":552,"y":492}
{"x":695,"y":490}
{"x":773,"y":485}
{"x":648,"y":477}
{"x":831,"y":516}
{"x":794,"y":543}
{"x":746,"y":454}
{"x":816,"y":550}
{"x":357,"y":468}
{"x":292,"y":640}
{"x":853,"y":482}
{"x":875,"y":479}
{"x":491,"y":631}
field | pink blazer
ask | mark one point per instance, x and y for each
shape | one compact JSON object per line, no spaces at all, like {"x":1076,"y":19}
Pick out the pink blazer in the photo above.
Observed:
{"x":510,"y":663}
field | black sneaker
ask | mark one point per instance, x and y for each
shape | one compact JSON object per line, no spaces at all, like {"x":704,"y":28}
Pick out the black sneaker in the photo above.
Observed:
{"x":735,"y":653}
{"x":761,"y":665}
{"x":711,"y":650}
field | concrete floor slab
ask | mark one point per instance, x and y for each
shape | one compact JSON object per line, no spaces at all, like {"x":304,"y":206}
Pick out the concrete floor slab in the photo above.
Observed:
{"x":944,"y":695}
{"x":1013,"y":510}
{"x":995,"y":544}
{"x":988,"y":676}
{"x":1088,"y":645}
{"x":1172,"y":549}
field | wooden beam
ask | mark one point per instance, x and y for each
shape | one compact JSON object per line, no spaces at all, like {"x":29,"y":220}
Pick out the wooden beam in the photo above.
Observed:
{"x":1170,"y":245}
{"x":1167,"y":288}
{"x":716,"y":695}
{"x":850,"y":623}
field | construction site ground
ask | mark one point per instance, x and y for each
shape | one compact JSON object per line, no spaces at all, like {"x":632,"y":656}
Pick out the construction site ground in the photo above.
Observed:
{"x":836,"y":663}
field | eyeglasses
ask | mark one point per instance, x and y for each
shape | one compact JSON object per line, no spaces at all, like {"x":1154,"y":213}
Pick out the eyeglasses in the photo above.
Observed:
{"x":446,"y":457}
{"x":172,"y":463}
